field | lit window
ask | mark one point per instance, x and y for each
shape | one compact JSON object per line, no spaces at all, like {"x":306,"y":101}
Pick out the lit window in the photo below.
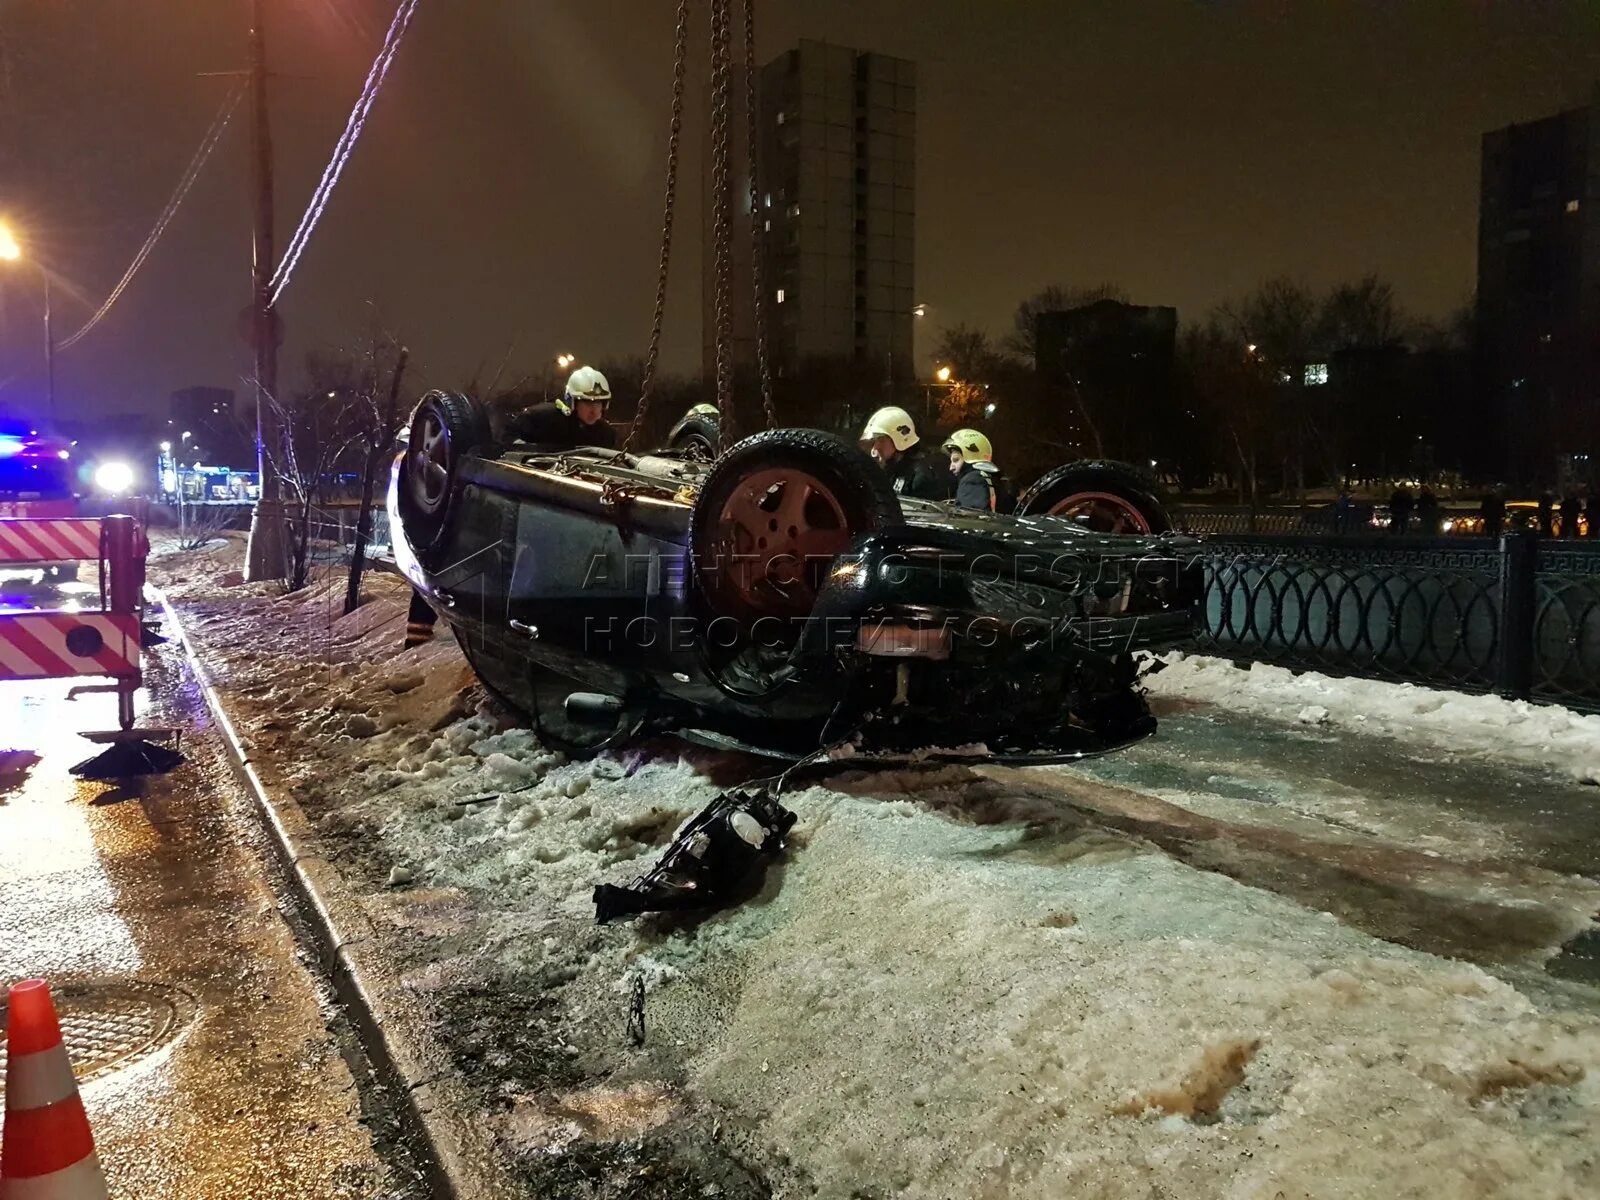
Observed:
{"x":766,"y":226}
{"x":780,"y":295}
{"x":794,"y":210}
{"x":1572,"y":206}
{"x":1316,"y":373}
{"x":1284,"y":376}
{"x":780,"y":118}
{"x":767,"y":201}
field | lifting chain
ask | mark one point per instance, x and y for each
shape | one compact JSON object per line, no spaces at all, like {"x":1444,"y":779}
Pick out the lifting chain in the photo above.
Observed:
{"x":680,"y":58}
{"x":757,"y":242}
{"x":721,"y":212}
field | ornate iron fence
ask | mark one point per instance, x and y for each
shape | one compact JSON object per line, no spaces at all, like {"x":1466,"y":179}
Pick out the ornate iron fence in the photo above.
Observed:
{"x":1470,"y":613}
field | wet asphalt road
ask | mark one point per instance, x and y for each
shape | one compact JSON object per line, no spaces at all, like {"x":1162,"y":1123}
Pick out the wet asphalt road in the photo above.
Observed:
{"x":155,"y":911}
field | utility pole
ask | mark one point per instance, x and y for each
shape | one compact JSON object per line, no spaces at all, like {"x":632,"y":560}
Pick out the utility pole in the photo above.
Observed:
{"x":49,"y":349}
{"x":265,"y":558}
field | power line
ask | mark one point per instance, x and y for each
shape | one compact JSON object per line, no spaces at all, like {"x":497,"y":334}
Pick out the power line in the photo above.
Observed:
{"x":197,"y":164}
{"x":344,"y":146}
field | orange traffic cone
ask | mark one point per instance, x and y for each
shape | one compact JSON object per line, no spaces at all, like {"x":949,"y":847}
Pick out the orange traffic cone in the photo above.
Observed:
{"x":47,"y":1152}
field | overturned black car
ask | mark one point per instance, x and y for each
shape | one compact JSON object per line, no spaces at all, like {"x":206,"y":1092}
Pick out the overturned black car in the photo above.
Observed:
{"x":779,"y":598}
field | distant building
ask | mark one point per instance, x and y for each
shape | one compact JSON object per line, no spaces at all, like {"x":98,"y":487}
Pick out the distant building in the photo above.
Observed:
{"x":211,"y":419}
{"x":1539,"y":286}
{"x":836,"y":197}
{"x":1106,"y":370}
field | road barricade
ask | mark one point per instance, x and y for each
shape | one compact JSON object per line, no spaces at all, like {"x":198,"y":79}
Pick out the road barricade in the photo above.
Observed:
{"x":103,"y":642}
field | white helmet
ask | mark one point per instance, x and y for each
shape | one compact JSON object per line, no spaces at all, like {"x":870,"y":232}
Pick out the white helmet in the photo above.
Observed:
{"x":973,"y":445}
{"x":585,"y":384}
{"x":893,"y":423}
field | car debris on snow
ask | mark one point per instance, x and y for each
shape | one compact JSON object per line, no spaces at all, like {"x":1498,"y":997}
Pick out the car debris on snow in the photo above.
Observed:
{"x":711,"y":856}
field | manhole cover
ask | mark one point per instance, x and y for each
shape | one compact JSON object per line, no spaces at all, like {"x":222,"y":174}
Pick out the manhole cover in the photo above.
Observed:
{"x":109,"y":1025}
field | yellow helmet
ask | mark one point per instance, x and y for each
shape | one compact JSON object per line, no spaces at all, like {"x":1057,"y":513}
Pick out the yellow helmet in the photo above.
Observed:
{"x":973,"y":445}
{"x":893,"y":423}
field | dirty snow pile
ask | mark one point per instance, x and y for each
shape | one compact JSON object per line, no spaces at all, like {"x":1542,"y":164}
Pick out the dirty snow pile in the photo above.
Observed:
{"x":947,"y":990}
{"x":921,"y":1006}
{"x":1456,"y":723}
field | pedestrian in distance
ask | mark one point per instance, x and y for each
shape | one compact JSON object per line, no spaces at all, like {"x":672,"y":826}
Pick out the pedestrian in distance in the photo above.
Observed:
{"x":1547,"y":515}
{"x":1400,"y":503}
{"x":1571,"y":509}
{"x":1493,"y":512}
{"x":1428,"y":515}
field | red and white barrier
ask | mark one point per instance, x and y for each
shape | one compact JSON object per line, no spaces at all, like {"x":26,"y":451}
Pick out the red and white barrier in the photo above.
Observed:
{"x":58,"y":645}
{"x":32,"y":540}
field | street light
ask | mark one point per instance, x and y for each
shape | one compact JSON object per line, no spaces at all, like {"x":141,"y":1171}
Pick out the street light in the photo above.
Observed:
{"x":11,"y":251}
{"x":942,"y":374}
{"x":565,"y":360}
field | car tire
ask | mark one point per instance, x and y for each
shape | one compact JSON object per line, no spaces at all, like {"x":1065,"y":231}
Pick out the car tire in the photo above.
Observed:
{"x":772,"y":514}
{"x":444,"y":427}
{"x":696,"y":436}
{"x":1111,"y":497}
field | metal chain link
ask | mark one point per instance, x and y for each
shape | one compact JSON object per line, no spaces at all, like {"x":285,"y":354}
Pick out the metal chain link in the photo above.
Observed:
{"x":757,"y":267}
{"x":722,"y":216}
{"x":680,"y":58}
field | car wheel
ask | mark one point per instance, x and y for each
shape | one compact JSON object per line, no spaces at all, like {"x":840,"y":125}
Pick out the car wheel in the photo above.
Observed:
{"x":444,"y":426}
{"x":772,"y":515}
{"x":696,"y":436}
{"x":1107,"y":497}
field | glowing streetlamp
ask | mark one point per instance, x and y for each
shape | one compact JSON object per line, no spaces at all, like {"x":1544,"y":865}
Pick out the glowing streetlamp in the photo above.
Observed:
{"x":942,"y":374}
{"x":565,"y":360}
{"x":11,"y":251}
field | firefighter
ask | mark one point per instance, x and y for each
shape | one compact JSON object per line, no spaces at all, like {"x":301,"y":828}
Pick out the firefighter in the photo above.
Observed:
{"x":891,"y":437}
{"x":978,"y":481}
{"x":419,"y":622}
{"x":577,"y":419}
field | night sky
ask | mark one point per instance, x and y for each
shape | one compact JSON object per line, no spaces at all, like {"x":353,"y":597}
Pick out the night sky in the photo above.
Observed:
{"x":506,"y":197}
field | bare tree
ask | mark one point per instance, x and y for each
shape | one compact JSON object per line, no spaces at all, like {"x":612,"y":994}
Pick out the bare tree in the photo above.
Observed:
{"x":1278,"y":322}
{"x":314,"y":434}
{"x":1229,"y":381}
{"x":1023,"y":340}
{"x":1363,"y":315}
{"x":968,"y":352}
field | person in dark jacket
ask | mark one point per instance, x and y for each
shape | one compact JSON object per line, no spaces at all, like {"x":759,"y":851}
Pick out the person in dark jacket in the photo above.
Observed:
{"x":1571,"y":509}
{"x":577,"y":419}
{"x":1493,"y":512}
{"x":1428,"y":516}
{"x":1400,"y":509}
{"x":1547,"y":515}
{"x":979,"y":484}
{"x":891,"y":438}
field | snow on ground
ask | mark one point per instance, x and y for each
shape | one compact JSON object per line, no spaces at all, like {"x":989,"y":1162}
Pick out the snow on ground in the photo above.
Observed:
{"x":1541,"y":735}
{"x":955,"y":986}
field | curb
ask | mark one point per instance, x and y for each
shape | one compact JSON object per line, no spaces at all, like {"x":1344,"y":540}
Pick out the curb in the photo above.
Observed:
{"x":402,"y":1055}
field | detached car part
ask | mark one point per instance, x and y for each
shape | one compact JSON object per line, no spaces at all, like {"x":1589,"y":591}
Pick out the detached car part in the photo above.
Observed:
{"x":709,"y":861}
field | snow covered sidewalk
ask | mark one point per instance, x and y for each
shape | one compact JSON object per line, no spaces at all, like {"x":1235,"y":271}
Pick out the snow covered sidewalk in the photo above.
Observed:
{"x":1489,"y":727}
{"x":959,"y":985}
